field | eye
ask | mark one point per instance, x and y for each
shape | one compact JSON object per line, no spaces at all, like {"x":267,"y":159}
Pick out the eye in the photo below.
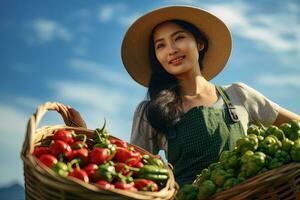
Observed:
{"x":179,"y":37}
{"x":159,"y":45}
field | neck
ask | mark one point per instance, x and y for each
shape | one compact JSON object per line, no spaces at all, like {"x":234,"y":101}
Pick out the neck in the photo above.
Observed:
{"x":195,"y":86}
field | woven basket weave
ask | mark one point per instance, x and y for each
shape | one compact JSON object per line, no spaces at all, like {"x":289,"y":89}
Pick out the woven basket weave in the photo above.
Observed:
{"x":42,"y":183}
{"x":282,"y":183}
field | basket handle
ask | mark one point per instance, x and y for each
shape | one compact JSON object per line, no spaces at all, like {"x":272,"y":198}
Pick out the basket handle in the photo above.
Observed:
{"x":35,"y":119}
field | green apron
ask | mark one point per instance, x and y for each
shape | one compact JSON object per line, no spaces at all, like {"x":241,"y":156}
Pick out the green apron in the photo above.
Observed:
{"x":198,"y":139}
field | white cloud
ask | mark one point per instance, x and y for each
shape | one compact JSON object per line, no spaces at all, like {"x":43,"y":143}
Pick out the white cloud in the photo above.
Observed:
{"x":117,"y":13}
{"x":231,"y":14}
{"x":110,"y":11}
{"x":12,"y":123}
{"x":292,"y":7}
{"x":98,"y":102}
{"x":46,"y":30}
{"x":98,"y":70}
{"x":106,"y":13}
{"x":127,"y":20}
{"x":99,"y":97}
{"x":282,"y":80}
{"x":26,"y":102}
{"x":82,"y":13}
{"x":274,"y":31}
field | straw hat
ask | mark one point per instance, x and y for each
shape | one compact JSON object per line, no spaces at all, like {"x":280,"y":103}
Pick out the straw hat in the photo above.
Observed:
{"x":135,"y":45}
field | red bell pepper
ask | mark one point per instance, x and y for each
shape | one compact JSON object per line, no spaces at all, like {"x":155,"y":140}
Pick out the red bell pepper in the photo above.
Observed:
{"x":81,"y":154}
{"x":123,"y":169}
{"x":40,"y":151}
{"x":48,"y":160}
{"x":60,"y":147}
{"x":79,"y":174}
{"x":100,"y":155}
{"x":64,"y":135}
{"x":78,"y":145}
{"x":139,"y":165}
{"x":91,"y":171}
{"x":105,"y":185}
{"x":125,"y":186}
{"x":145,"y":185}
{"x":130,"y":157}
{"x":119,"y":143}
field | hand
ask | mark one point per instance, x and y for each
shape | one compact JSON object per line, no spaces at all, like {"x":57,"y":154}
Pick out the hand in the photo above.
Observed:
{"x":76,"y":117}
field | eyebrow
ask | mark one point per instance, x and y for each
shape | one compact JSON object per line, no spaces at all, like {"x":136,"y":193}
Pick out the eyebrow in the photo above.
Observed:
{"x":176,"y":32}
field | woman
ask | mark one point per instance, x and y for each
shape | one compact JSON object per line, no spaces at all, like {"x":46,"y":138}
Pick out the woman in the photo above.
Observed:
{"x":175,"y":51}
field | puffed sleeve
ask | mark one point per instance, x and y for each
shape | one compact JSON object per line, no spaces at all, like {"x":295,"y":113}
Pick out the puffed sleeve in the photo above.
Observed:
{"x":260,"y":108}
{"x":142,"y":133}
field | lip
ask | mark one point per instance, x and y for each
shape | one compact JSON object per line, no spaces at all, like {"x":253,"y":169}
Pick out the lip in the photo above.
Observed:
{"x":176,"y":60}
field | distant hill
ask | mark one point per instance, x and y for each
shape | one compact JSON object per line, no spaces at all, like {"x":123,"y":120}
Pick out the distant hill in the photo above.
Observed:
{"x":14,"y":191}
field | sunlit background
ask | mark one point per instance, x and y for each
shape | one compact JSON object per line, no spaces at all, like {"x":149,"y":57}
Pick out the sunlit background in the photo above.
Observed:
{"x":69,"y":51}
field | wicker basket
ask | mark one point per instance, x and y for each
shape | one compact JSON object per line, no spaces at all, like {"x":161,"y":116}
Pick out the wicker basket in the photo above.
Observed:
{"x":282,"y":183}
{"x":42,"y":183}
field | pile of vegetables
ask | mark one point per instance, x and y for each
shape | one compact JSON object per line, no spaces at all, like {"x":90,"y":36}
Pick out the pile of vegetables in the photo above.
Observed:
{"x":99,"y":159}
{"x":263,"y":149}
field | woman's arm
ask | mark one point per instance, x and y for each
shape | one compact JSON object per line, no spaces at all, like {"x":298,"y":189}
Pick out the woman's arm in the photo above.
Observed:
{"x":284,"y":116}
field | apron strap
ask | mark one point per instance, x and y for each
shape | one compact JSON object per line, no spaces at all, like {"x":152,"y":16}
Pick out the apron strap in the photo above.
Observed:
{"x":229,"y":105}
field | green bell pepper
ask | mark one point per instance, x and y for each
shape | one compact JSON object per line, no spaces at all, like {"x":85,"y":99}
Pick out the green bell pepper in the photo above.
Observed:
{"x":252,"y":163}
{"x":230,"y":159}
{"x":270,"y":145}
{"x":281,"y":158}
{"x":274,"y":130}
{"x":287,"y":144}
{"x":249,"y":142}
{"x":295,"y":151}
{"x":187,"y":192}
{"x":219,"y":176}
{"x":204,"y":175}
{"x":229,"y":183}
{"x":207,"y":189}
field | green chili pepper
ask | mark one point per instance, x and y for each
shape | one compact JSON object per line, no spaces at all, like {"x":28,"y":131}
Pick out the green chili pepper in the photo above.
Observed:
{"x":154,"y":173}
{"x":106,"y":172}
{"x":156,"y":161}
{"x":61,"y":168}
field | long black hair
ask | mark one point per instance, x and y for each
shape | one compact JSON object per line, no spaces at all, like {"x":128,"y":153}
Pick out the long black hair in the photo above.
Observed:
{"x":164,"y":106}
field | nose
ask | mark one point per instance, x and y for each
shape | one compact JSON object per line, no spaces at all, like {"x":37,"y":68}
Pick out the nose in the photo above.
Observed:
{"x":173,"y":49}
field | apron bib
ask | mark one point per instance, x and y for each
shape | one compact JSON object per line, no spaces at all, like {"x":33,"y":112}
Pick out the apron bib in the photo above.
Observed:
{"x":198,"y":139}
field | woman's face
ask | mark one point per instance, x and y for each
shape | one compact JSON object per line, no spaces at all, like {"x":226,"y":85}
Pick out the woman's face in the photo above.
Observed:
{"x":176,"y":49}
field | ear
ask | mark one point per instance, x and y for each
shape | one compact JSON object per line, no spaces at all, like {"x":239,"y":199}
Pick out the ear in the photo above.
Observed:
{"x":200,"y":45}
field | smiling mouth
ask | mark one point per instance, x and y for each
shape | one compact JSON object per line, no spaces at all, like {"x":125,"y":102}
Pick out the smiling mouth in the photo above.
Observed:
{"x":177,"y":60}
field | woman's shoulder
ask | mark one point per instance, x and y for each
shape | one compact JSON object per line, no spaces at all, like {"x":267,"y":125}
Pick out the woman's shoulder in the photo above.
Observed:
{"x":140,"y":107}
{"x":240,"y":90}
{"x":237,"y":86}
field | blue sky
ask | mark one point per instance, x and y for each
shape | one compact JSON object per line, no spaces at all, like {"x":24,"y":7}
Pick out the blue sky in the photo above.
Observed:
{"x":69,"y":51}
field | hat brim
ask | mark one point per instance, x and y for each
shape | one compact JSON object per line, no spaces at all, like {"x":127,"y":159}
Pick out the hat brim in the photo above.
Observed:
{"x":135,"y":45}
